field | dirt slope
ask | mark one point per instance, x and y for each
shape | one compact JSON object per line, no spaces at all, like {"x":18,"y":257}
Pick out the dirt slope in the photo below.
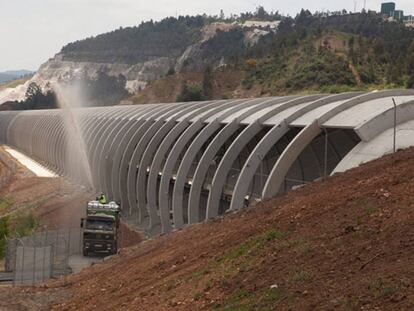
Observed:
{"x":53,"y":201}
{"x":226,"y":83}
{"x":343,"y":244}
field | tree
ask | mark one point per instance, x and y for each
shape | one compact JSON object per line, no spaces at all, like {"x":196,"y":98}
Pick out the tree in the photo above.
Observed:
{"x":261,"y":13}
{"x":208,"y":82}
{"x":222,"y":16}
{"x":171,"y":71}
{"x":410,"y":82}
{"x":190,"y":92}
{"x":33,"y":90}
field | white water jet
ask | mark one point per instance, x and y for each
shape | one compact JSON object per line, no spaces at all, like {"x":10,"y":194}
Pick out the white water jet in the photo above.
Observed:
{"x":70,"y":100}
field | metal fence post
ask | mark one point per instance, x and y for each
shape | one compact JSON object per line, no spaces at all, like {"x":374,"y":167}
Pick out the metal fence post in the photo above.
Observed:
{"x":34,"y":264}
{"x":395,"y":126}
{"x":80,"y":241}
{"x":22,"y":263}
{"x":67,"y":254}
{"x":15,"y":267}
{"x":44,"y":263}
{"x":325,"y":163}
{"x":69,"y":242}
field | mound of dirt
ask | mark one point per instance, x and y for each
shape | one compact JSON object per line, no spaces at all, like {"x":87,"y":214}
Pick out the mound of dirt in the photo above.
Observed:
{"x":342,"y":244}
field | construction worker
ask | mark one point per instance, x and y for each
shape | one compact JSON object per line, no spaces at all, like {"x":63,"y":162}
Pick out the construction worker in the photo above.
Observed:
{"x":102,"y":199}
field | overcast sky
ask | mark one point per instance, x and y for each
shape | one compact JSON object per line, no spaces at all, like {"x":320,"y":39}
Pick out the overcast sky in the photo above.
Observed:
{"x":31,"y":31}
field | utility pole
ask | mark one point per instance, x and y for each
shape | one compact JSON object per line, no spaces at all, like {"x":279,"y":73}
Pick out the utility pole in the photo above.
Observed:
{"x":355,"y":6}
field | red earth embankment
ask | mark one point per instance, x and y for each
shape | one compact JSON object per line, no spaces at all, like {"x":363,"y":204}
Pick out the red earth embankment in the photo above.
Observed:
{"x":343,"y":244}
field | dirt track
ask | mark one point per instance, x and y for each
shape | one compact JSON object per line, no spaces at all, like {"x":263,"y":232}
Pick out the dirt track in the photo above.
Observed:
{"x":343,"y":244}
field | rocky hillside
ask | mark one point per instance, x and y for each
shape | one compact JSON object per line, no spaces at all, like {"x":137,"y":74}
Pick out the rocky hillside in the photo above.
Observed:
{"x":151,"y":50}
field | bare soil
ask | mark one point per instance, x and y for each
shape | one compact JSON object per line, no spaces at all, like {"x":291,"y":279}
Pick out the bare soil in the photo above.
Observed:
{"x":342,"y":244}
{"x":226,"y":84}
{"x":55,"y":203}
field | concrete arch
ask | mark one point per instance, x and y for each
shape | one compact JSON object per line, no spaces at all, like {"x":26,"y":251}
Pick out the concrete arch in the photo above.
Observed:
{"x":148,"y":155}
{"x":104,"y":149}
{"x":173,"y":157}
{"x":381,"y":122}
{"x":97,"y":144}
{"x":370,"y":130}
{"x":139,"y":153}
{"x":202,"y":167}
{"x":177,"y":164}
{"x":162,"y":153}
{"x":305,"y":137}
{"x":135,"y":158}
{"x":112,"y":151}
{"x":253,"y":162}
{"x":121,"y":158}
{"x":197,"y":144}
{"x":156,"y":165}
{"x":264,"y":146}
{"x":237,"y":146}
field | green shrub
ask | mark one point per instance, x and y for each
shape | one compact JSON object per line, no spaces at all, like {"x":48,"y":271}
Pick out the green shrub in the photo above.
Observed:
{"x":4,"y":232}
{"x":23,"y":224}
{"x":190,"y":92}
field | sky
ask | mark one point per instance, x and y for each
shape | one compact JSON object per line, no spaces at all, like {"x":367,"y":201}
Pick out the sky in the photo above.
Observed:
{"x":32,"y":31}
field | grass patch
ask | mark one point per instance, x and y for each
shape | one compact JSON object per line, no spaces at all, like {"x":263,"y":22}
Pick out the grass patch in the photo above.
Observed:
{"x":350,"y":304}
{"x":5,"y":203}
{"x":382,"y":288}
{"x":198,"y":296}
{"x":300,"y":245}
{"x":271,"y":297}
{"x":305,"y":248}
{"x":200,"y":273}
{"x":302,"y":276}
{"x":23,"y":224}
{"x":369,"y":205}
{"x":264,"y":300}
{"x":18,"y":225}
{"x":239,"y":301}
{"x":371,"y":210}
{"x":274,"y":234}
{"x":255,"y":243}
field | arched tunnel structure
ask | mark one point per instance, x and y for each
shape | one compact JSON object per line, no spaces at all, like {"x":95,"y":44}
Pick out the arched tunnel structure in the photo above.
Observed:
{"x":170,"y":165}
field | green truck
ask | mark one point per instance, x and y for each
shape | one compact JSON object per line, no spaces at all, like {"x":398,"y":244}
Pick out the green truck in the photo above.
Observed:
{"x":101,"y":228}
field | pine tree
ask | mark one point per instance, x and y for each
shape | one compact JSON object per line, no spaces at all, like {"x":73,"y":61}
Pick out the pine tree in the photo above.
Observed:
{"x":208,"y":82}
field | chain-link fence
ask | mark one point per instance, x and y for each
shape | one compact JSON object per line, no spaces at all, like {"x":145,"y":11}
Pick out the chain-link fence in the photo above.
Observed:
{"x":43,"y":255}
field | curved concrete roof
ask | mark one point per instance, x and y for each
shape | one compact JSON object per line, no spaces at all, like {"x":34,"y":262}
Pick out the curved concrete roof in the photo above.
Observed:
{"x":174,"y":164}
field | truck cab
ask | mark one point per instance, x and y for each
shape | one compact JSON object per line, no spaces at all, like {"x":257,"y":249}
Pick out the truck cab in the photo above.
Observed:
{"x":101,"y":228}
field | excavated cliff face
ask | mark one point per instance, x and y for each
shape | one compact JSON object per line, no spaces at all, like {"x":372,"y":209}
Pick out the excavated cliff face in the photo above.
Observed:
{"x":138,"y":75}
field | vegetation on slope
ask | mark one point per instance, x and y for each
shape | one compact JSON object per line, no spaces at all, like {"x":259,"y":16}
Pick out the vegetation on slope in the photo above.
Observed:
{"x":317,"y":53}
{"x":312,"y":52}
{"x":35,"y":98}
{"x":102,"y":90}
{"x":167,"y":38}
